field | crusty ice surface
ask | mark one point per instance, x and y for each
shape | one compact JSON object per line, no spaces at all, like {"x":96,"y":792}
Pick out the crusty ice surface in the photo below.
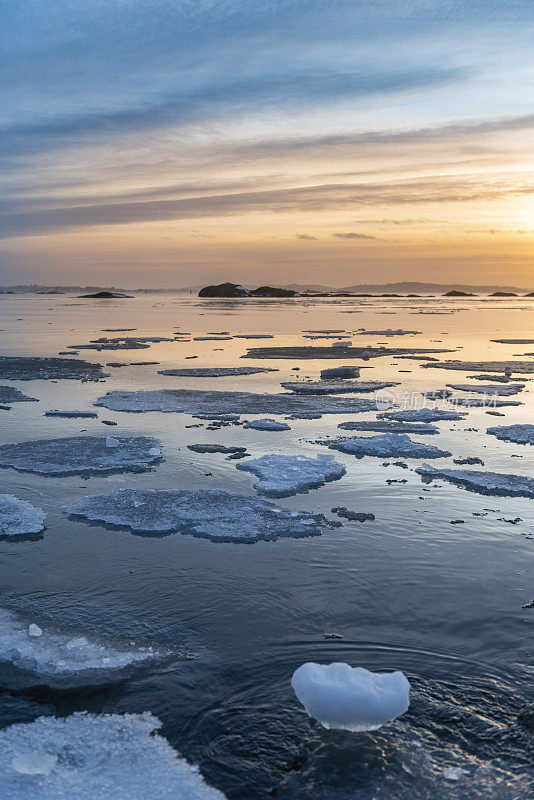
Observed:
{"x":336,"y":351}
{"x":389,"y":426}
{"x":482,"y":366}
{"x":490,"y":401}
{"x":213,"y":514}
{"x":336,"y":387}
{"x":27,"y":368}
{"x":491,"y":483}
{"x":340,"y":372}
{"x":281,"y":475}
{"x":192,"y":401}
{"x":214,"y":372}
{"x":79,"y":455}
{"x":71,"y":414}
{"x":8,"y":394}
{"x":350,"y":698}
{"x":421,"y":415}
{"x":90,"y":757}
{"x":267,"y":425}
{"x":386,"y":445}
{"x":17,"y":517}
{"x":59,"y":657}
{"x":489,"y":388}
{"x":519,"y":434}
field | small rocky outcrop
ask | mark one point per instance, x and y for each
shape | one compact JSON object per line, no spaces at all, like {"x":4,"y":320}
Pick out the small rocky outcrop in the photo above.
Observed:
{"x":105,"y":295}
{"x":458,"y":293}
{"x":235,"y":290}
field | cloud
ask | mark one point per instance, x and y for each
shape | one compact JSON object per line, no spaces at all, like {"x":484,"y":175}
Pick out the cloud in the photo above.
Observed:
{"x":353,"y":236}
{"x":306,"y":237}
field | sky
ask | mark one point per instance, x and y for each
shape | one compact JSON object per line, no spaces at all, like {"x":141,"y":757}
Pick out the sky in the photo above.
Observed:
{"x":169,"y":143}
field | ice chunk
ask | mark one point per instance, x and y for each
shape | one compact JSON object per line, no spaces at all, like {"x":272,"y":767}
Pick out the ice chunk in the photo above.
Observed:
{"x":336,"y":387}
{"x":313,"y":351}
{"x":519,"y":434}
{"x":267,"y":425}
{"x":90,"y":757}
{"x":191,"y":401}
{"x":80,"y":455}
{"x":17,"y":517}
{"x":10,"y":395}
{"x":281,"y":476}
{"x":350,"y":698}
{"x":492,"y":483}
{"x":389,"y":426}
{"x":71,"y":414}
{"x":340,"y":372}
{"x":214,"y":372}
{"x":484,"y":402}
{"x":64,"y":659}
{"x":387,"y":445}
{"x":483,"y":366}
{"x":421,"y":415}
{"x":213,"y":514}
{"x":387,"y":332}
{"x":23,"y":368}
{"x":489,"y":388}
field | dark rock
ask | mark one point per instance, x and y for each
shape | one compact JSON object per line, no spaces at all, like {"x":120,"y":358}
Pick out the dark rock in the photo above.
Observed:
{"x":359,"y":516}
{"x":457,"y":293}
{"x":105,"y":295}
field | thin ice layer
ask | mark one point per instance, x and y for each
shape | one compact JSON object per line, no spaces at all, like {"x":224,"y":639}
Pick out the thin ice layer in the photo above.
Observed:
{"x":386,"y":445}
{"x":192,"y":401}
{"x":491,"y":483}
{"x":58,"y":657}
{"x":519,"y":434}
{"x":389,"y":426}
{"x":213,"y":514}
{"x":422,"y":415}
{"x":90,"y":757}
{"x":336,"y":387}
{"x":214,"y":372}
{"x":17,"y":517}
{"x":27,"y":368}
{"x":8,"y":394}
{"x":281,"y":476}
{"x":79,"y":455}
{"x":350,"y":698}
{"x":505,"y":390}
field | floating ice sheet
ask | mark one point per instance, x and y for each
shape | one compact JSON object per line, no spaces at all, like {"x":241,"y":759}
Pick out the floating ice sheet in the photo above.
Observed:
{"x":80,"y":455}
{"x":336,"y":351}
{"x":519,"y":434}
{"x":25,"y":368}
{"x":267,"y":425}
{"x":64,"y":659}
{"x":89,"y":757}
{"x":214,"y":372}
{"x":387,"y":445}
{"x":18,"y":518}
{"x":281,"y":476}
{"x":213,"y":514}
{"x":350,"y":698}
{"x":489,"y":388}
{"x":389,"y":426}
{"x":483,"y":366}
{"x":72,"y":414}
{"x":421,"y":415}
{"x":191,"y":401}
{"x":336,"y":387}
{"x":8,"y":394}
{"x":491,"y":483}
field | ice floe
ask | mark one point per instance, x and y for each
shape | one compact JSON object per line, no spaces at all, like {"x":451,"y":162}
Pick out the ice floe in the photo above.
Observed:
{"x":336,"y":387}
{"x":18,"y":518}
{"x":484,"y":402}
{"x":483,"y":366}
{"x":386,"y":445}
{"x":488,"y":388}
{"x":191,"y":401}
{"x":389,"y":426}
{"x":387,"y":332}
{"x":491,"y":483}
{"x":26,"y":368}
{"x":63,"y":659}
{"x":213,"y":514}
{"x":519,"y":434}
{"x":215,"y":448}
{"x":340,"y":372}
{"x":337,"y":351}
{"x":92,"y":757}
{"x":80,"y":455}
{"x":8,"y":394}
{"x":350,"y":698}
{"x":421,"y":415}
{"x":71,"y":414}
{"x":281,"y":475}
{"x":267,"y":425}
{"x":214,"y":372}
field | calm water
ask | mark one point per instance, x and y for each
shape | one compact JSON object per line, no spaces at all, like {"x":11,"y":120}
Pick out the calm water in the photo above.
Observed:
{"x":408,"y":591}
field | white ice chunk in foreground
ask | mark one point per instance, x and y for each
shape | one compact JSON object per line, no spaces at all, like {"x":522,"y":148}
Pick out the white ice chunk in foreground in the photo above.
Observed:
{"x":350,"y":698}
{"x":492,"y":483}
{"x":60,"y":657}
{"x":386,"y":445}
{"x":17,"y":517}
{"x":79,"y":455}
{"x":89,"y":757}
{"x":281,"y":476}
{"x":518,"y":434}
{"x":214,"y":514}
